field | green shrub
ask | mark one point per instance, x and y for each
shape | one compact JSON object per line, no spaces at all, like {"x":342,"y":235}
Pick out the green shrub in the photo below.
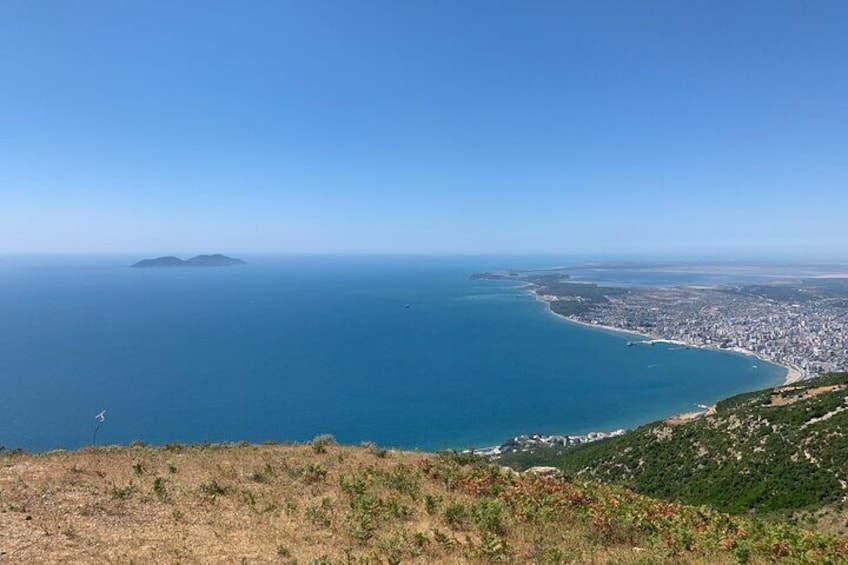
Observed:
{"x":122,"y":493}
{"x":488,"y":515}
{"x":212,"y":488}
{"x":353,"y":485}
{"x":400,"y":479}
{"x":493,"y":549}
{"x":258,"y":477}
{"x":455,"y":514}
{"x":159,"y":488}
{"x":321,"y":442}
{"x":374,"y":449}
{"x":314,"y":473}
{"x":432,"y":503}
{"x":321,"y":514}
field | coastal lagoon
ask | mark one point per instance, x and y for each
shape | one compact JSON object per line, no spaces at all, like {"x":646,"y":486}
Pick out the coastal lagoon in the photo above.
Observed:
{"x":403,"y":351}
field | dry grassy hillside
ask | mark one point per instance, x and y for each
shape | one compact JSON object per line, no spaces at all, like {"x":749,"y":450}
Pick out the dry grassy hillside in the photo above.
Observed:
{"x":319,"y":505}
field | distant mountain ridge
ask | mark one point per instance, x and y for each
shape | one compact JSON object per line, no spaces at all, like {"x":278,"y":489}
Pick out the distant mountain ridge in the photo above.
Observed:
{"x":215,"y":260}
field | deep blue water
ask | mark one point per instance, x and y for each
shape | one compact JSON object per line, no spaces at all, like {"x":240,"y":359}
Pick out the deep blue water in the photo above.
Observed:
{"x":289,"y":347}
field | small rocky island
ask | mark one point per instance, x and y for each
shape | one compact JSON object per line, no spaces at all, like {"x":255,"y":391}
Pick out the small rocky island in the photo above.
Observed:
{"x":216,"y":260}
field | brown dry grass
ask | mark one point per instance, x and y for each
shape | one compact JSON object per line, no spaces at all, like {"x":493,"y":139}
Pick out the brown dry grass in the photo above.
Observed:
{"x":250,"y":504}
{"x":784,"y":396}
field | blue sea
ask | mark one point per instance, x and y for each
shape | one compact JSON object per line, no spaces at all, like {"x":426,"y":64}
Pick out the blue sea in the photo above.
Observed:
{"x":403,"y":351}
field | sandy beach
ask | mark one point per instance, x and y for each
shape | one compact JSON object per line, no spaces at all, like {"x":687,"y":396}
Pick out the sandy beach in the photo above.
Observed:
{"x":793,"y":374}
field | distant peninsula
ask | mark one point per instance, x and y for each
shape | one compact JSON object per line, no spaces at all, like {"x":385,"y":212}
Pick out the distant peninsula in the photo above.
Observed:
{"x":170,"y":261}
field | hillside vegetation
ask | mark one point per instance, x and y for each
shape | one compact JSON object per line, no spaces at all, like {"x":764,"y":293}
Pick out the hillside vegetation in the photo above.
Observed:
{"x":322,"y":504}
{"x":777,"y":450}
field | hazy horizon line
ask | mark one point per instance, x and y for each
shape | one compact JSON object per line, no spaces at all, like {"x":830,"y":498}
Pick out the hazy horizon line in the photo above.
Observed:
{"x":658,"y":256}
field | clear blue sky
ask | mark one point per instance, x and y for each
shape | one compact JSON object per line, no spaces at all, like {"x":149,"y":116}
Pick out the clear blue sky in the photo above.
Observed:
{"x":693,"y":127}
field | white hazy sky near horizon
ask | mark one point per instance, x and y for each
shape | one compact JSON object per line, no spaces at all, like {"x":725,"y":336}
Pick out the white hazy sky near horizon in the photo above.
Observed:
{"x":701,"y":129}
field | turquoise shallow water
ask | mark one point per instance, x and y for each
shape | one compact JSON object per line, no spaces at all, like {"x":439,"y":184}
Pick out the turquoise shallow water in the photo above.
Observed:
{"x":290,"y":347}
